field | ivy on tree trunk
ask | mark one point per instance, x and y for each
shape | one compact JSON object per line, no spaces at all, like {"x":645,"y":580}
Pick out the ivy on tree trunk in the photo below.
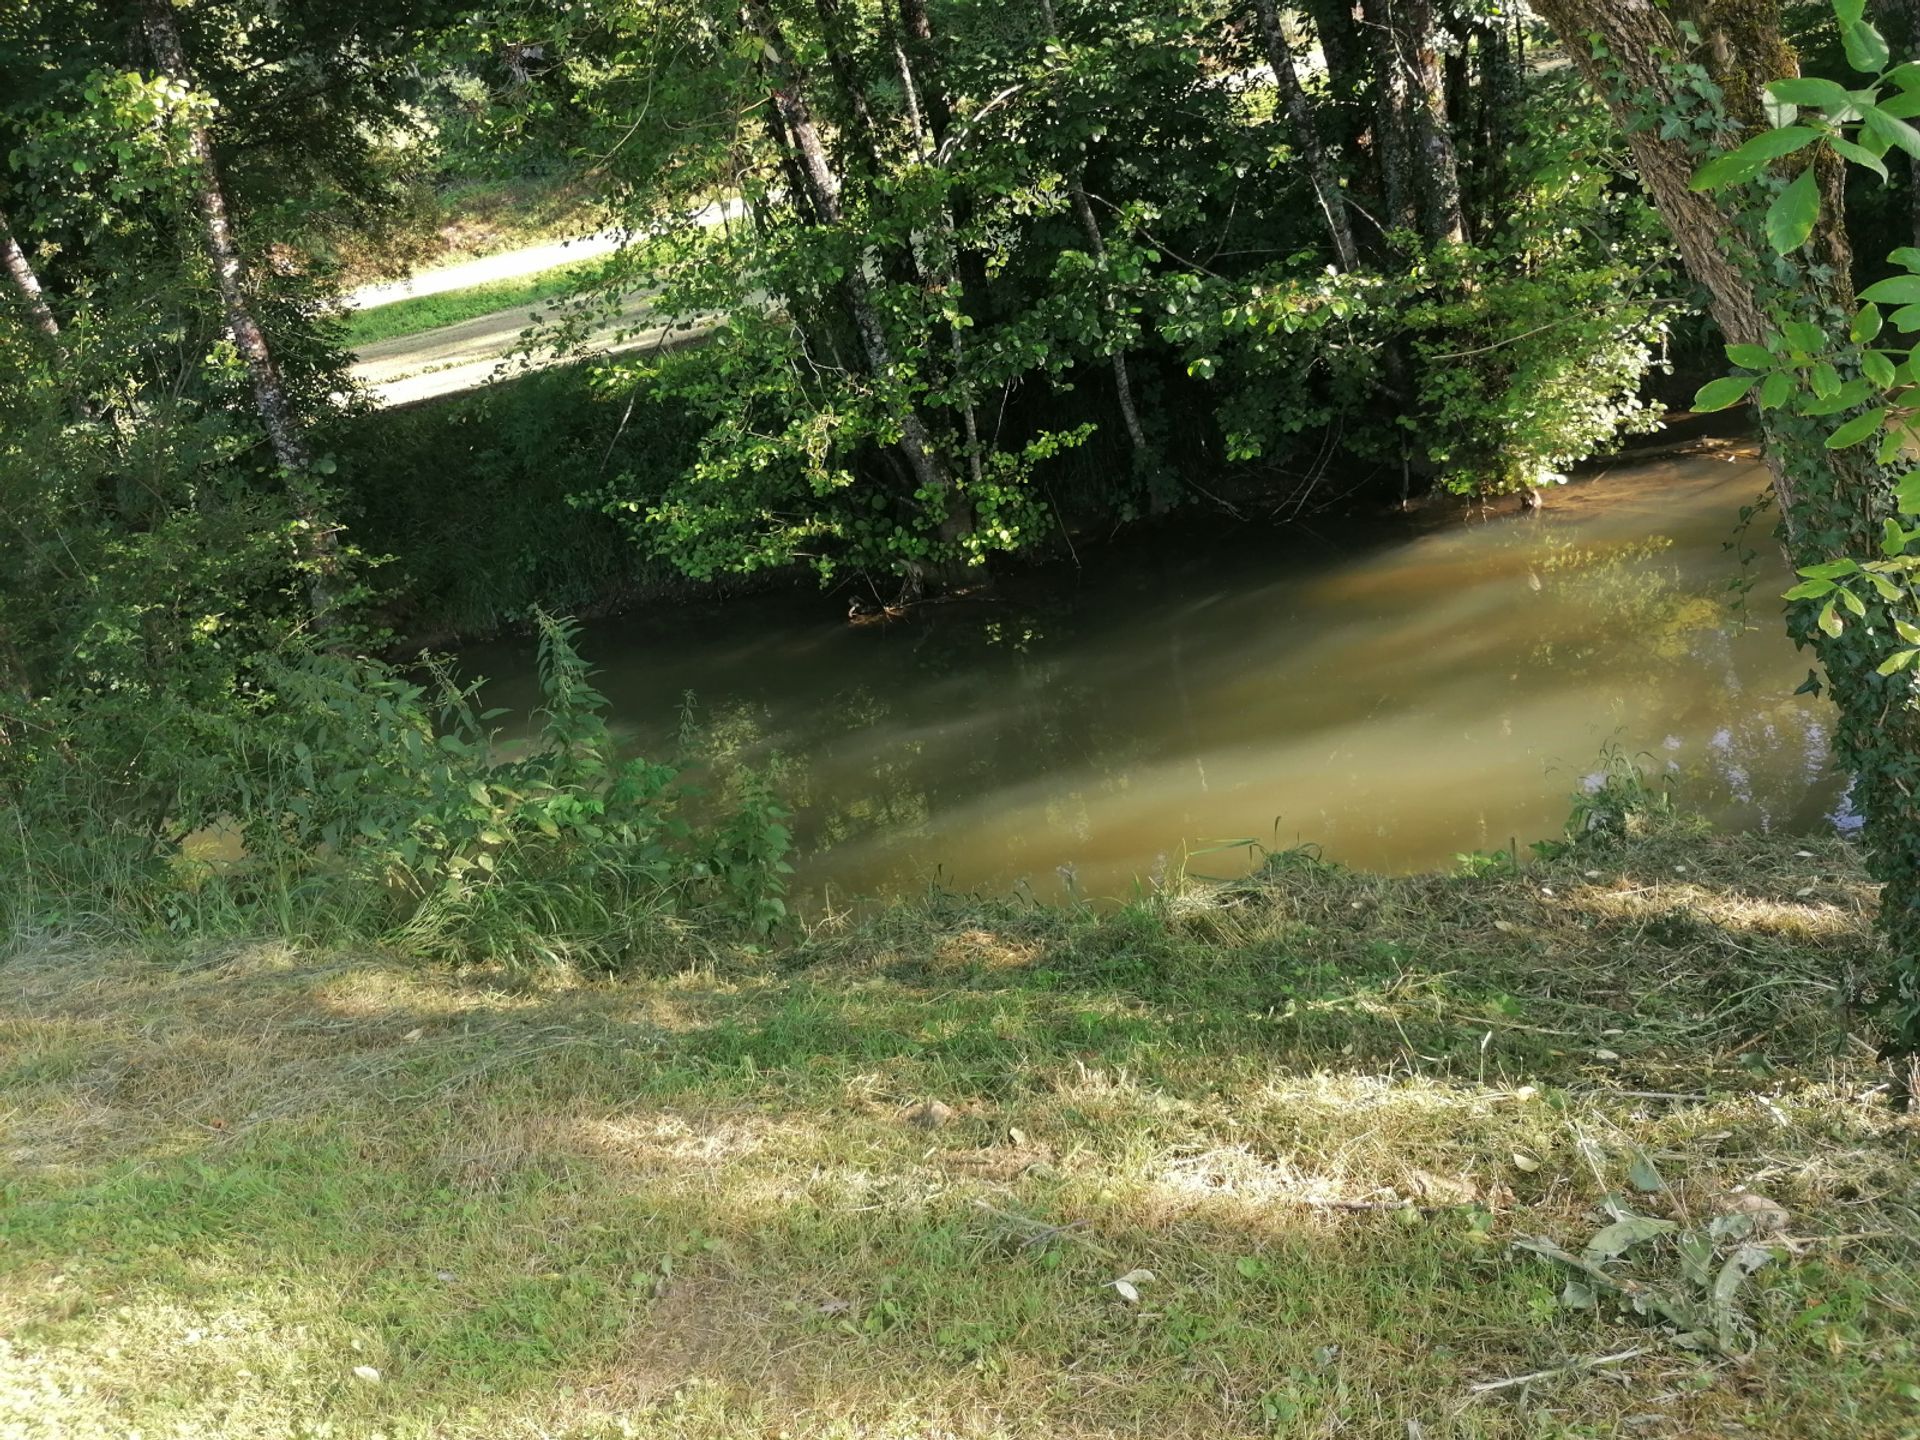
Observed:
{"x":1678,"y":103}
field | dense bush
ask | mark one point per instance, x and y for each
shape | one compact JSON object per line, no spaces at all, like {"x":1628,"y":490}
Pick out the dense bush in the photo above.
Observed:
{"x":476,"y":498}
{"x":351,"y":802}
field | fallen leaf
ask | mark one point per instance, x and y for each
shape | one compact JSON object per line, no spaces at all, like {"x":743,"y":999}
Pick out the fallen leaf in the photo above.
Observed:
{"x":1763,"y":1216}
{"x":413,"y":1034}
{"x":1129,"y":1285}
{"x":1525,"y":1161}
{"x":366,"y":1373}
{"x":1622,"y":1235}
{"x":1016,"y":1135}
{"x":1644,"y":1176}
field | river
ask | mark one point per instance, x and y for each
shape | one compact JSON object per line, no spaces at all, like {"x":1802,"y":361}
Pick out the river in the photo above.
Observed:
{"x":1390,"y":692}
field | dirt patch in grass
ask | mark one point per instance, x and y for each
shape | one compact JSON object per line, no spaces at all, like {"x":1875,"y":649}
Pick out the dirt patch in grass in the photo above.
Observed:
{"x":884,"y":1182}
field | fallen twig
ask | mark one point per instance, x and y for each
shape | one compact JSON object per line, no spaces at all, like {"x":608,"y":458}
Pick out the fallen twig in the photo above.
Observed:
{"x":1591,"y":1362}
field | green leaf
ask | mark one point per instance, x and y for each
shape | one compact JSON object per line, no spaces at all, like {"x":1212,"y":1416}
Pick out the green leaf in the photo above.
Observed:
{"x":1879,"y":369}
{"x":1753,"y":157}
{"x":1810,"y":590}
{"x":1830,"y":569}
{"x":1848,"y":12}
{"x":1866,"y":325}
{"x":1831,"y":396}
{"x":1806,"y":90}
{"x":1866,"y":48}
{"x":1907,"y":318}
{"x":1803,"y":336}
{"x":1751,"y":357}
{"x":1894,"y":132}
{"x":1898,"y":661}
{"x":1791,"y":215}
{"x":1907,"y":493}
{"x":1853,"y":602}
{"x":1830,"y":621}
{"x":1894,"y":290}
{"x":1893,"y":539}
{"x":1809,"y":686}
{"x":1723,"y":393}
{"x":1908,"y":633}
{"x":1906,"y":257}
{"x":1860,"y":156}
{"x":1621,"y":1236}
{"x":1644,"y":1176}
{"x":1775,"y":389}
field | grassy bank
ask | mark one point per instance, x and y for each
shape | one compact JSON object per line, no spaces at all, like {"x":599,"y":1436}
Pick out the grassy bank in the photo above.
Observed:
{"x":451,"y":307}
{"x":881,"y":1182}
{"x":465,"y":220}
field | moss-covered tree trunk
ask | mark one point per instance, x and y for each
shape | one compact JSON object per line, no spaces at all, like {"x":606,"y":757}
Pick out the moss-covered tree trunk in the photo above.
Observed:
{"x":1663,"y":89}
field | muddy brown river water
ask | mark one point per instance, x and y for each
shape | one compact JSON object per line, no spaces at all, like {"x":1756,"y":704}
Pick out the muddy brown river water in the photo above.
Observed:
{"x":1392,"y":694}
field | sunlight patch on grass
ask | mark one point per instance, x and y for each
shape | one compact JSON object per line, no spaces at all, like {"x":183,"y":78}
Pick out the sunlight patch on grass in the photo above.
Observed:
{"x":721,"y":1202}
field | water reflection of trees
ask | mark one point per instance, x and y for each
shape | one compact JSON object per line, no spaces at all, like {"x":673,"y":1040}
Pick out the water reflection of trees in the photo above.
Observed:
{"x":1758,"y":754}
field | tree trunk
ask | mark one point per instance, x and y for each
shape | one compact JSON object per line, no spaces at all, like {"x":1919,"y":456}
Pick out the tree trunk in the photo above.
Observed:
{"x":1345,"y":54}
{"x":860,"y":131}
{"x":319,"y":542}
{"x":20,"y":272}
{"x":27,"y":284}
{"x":1097,"y":247}
{"x":1122,"y":379}
{"x":1832,"y":502}
{"x":823,"y":189}
{"x":1306,"y":135}
{"x":1392,"y":118}
{"x":943,"y":266}
{"x":1437,"y":166}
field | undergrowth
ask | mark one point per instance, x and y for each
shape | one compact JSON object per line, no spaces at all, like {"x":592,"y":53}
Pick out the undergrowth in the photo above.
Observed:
{"x":351,"y":803}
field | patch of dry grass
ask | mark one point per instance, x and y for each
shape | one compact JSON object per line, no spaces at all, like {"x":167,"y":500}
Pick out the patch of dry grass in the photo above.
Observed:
{"x":1318,"y":1109}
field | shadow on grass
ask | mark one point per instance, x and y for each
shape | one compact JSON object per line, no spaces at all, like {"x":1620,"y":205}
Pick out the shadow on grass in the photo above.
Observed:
{"x":720,"y":1203}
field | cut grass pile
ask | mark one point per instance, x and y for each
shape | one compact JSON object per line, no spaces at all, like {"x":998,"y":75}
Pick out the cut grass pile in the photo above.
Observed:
{"x":882,"y":1183}
{"x":451,"y":307}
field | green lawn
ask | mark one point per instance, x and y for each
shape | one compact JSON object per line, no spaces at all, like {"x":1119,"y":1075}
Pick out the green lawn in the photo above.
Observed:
{"x":431,"y":312}
{"x":881,"y":1182}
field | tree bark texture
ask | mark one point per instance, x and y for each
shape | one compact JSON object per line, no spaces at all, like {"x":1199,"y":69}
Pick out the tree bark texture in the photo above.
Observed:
{"x":823,"y":189}
{"x":1097,"y":247}
{"x":27,"y":285}
{"x":320,"y":546}
{"x":1392,"y":119}
{"x":1832,"y":502}
{"x":1306,"y":137}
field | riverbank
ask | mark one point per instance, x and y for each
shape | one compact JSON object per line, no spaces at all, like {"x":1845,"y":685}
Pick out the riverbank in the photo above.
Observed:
{"x":1268,"y":1160}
